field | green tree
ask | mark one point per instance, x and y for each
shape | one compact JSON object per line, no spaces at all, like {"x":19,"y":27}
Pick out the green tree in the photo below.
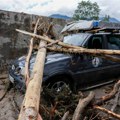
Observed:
{"x":86,"y":10}
{"x":106,"y":18}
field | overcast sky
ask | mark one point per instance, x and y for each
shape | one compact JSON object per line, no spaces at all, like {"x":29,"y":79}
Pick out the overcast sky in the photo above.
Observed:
{"x":65,"y":7}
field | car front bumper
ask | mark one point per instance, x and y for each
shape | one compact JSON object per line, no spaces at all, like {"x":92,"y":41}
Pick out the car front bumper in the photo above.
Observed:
{"x":17,"y":80}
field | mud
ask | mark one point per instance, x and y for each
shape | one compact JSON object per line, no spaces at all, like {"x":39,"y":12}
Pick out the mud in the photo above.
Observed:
{"x":10,"y":104}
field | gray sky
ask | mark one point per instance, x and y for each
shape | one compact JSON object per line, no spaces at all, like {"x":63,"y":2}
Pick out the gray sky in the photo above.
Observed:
{"x":65,"y":7}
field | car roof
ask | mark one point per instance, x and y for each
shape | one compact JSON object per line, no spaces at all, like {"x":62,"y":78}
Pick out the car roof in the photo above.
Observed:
{"x":93,"y":25}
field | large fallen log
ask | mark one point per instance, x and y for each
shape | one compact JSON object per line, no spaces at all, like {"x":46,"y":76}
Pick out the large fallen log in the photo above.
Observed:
{"x":32,"y":97}
{"x":95,"y":52}
{"x":81,"y":106}
{"x":86,"y":51}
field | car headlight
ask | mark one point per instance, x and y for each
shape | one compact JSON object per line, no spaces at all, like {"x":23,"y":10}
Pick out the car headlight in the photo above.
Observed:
{"x":13,"y":67}
{"x":18,"y":71}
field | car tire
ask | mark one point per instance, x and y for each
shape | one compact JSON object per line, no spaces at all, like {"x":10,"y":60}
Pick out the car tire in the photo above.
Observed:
{"x":58,"y":83}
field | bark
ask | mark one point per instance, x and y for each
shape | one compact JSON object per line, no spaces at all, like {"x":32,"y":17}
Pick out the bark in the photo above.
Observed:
{"x":81,"y":106}
{"x":27,"y":75}
{"x":107,"y":112}
{"x":86,"y":51}
{"x":31,"y":101}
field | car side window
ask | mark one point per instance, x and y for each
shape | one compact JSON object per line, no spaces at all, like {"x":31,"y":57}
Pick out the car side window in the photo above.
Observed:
{"x":95,"y":42}
{"x":114,"y":42}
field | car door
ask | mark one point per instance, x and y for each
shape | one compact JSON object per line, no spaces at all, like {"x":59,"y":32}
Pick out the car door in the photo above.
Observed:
{"x":113,"y":43}
{"x":94,"y":67}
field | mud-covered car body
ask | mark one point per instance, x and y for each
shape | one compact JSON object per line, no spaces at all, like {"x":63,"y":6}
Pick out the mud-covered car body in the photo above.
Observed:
{"x":82,"y":71}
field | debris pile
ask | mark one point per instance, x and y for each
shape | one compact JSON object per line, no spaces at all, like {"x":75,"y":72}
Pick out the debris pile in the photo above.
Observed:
{"x":63,"y":105}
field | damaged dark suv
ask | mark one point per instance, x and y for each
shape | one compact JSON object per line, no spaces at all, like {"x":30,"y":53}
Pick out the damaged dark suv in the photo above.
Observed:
{"x":77,"y":71}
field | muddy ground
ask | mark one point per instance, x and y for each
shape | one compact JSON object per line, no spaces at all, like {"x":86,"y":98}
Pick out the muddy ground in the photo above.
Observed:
{"x":10,"y":104}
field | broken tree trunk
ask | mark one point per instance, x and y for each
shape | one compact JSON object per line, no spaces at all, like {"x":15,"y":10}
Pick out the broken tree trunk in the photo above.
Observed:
{"x":108,"y":112}
{"x":81,"y":106}
{"x":27,"y":78}
{"x":32,"y":97}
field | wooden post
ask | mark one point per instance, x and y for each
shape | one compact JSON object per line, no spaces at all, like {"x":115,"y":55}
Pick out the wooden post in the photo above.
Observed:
{"x":32,"y":97}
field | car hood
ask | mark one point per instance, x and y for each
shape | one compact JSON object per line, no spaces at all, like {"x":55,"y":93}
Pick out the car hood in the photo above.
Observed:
{"x":51,"y":57}
{"x":56,"y":57}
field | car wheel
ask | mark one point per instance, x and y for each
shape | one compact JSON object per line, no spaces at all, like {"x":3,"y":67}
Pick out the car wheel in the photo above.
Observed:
{"x":59,"y":84}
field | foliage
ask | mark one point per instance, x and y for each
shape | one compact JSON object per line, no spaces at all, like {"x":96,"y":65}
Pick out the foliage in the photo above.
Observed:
{"x":106,"y":18}
{"x":86,"y":10}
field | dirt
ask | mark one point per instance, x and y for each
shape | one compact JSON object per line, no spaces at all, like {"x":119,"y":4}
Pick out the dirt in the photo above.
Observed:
{"x":10,"y":104}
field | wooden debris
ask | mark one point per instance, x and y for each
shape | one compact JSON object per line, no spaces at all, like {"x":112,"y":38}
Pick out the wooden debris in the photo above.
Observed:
{"x":86,"y":51}
{"x":72,"y":48}
{"x":81,"y":106}
{"x":27,"y":76}
{"x":110,"y":95}
{"x":115,"y":102}
{"x":30,"y":106}
{"x":107,"y":112}
{"x":65,"y":115}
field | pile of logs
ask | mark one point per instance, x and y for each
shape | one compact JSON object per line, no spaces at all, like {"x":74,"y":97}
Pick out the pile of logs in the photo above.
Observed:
{"x":31,"y":108}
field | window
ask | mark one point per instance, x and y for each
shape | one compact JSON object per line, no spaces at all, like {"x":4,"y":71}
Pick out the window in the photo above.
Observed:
{"x":95,"y":42}
{"x":114,"y":42}
{"x":75,"y":39}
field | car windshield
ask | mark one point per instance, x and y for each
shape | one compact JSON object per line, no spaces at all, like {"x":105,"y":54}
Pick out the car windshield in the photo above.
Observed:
{"x":75,"y":39}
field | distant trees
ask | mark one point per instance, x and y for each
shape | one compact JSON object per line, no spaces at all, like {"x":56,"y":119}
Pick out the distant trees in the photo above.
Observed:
{"x":86,"y":10}
{"x":106,"y":18}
